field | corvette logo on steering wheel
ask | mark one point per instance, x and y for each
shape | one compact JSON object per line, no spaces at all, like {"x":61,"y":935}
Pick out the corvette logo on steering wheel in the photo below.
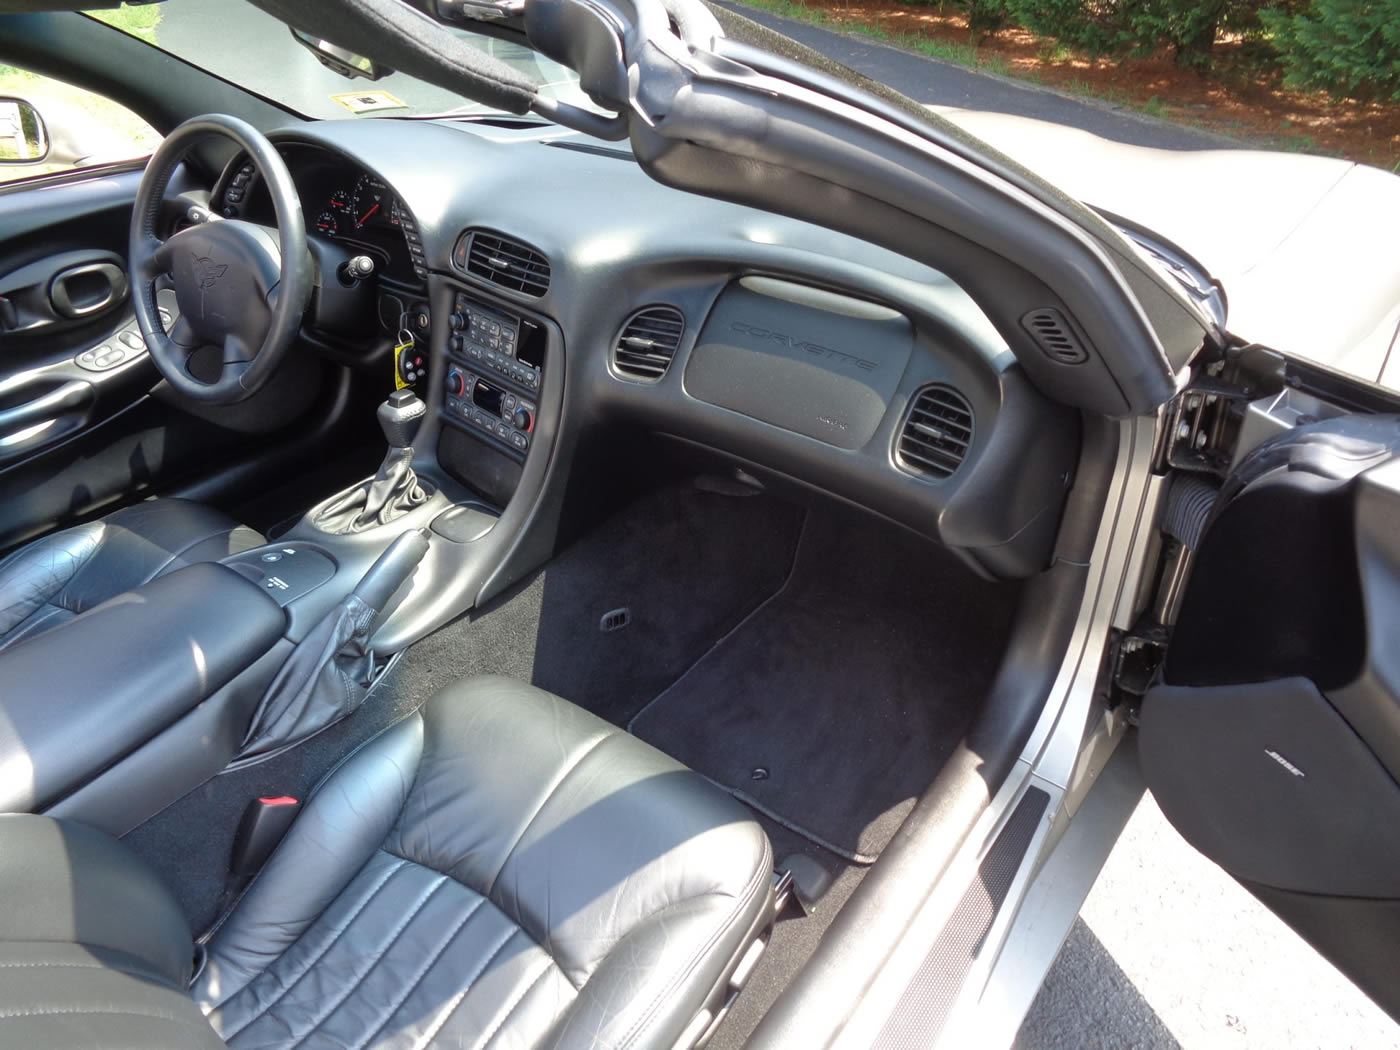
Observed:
{"x":206,"y":272}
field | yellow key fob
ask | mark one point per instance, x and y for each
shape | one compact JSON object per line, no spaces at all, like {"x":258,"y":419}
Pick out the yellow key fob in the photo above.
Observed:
{"x":405,"y":345}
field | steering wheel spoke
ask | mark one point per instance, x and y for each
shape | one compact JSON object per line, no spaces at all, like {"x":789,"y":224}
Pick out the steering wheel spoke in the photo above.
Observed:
{"x":154,"y":260}
{"x":236,"y":353}
{"x":182,"y":334}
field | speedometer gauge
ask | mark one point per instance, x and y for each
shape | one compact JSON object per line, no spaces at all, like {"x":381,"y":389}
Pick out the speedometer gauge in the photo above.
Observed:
{"x":328,"y":223}
{"x":370,"y":202}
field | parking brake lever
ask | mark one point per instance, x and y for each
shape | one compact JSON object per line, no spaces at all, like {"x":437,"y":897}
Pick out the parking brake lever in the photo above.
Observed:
{"x":392,"y":568}
{"x":328,"y":674}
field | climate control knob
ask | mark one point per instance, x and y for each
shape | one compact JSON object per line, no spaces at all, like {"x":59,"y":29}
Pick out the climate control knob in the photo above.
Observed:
{"x":522,"y":420}
{"x":456,"y":382}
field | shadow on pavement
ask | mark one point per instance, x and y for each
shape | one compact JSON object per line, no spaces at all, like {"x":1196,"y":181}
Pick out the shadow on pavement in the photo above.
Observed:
{"x":1087,"y":989}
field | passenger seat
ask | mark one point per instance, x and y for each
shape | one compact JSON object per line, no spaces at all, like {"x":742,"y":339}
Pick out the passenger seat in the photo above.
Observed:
{"x":503,"y":870}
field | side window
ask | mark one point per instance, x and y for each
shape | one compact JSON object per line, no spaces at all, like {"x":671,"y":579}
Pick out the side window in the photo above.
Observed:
{"x":47,"y":126}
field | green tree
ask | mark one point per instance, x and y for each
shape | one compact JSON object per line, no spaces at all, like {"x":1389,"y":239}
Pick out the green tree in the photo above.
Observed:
{"x":1139,"y":27}
{"x":1348,"y":48}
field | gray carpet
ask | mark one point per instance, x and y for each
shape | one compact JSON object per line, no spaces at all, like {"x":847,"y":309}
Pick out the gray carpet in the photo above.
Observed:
{"x":190,"y":841}
{"x":833,"y":706}
{"x":686,"y":563}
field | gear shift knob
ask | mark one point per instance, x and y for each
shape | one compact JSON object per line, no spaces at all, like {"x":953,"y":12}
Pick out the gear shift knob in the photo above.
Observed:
{"x":399,"y":417}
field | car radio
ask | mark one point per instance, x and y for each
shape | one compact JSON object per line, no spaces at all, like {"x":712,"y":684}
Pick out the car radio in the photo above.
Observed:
{"x":493,"y":373}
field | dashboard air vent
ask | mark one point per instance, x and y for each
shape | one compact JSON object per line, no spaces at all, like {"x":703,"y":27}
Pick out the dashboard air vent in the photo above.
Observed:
{"x":648,"y":341}
{"x":503,"y":262}
{"x":936,"y":434}
{"x":1057,"y":340}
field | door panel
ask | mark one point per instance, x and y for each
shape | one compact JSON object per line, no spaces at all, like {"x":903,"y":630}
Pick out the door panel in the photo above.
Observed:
{"x":1273,"y":741}
{"x":79,"y":431}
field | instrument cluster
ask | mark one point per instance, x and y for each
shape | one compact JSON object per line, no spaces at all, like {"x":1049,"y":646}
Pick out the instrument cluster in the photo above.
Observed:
{"x":366,"y":206}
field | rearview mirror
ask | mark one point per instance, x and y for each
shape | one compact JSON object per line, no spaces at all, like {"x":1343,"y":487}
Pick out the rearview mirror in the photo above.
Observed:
{"x":339,"y":60}
{"x":23,"y":137}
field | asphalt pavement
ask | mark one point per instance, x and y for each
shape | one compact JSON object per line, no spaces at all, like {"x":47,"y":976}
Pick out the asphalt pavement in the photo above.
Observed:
{"x":937,"y":83}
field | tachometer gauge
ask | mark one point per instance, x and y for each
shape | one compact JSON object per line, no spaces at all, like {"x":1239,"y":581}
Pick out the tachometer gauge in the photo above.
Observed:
{"x":328,"y":223}
{"x":371,"y":201}
{"x":340,"y":200}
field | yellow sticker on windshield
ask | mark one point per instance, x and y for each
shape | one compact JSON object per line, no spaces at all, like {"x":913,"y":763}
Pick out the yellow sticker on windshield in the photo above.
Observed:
{"x":368,"y":101}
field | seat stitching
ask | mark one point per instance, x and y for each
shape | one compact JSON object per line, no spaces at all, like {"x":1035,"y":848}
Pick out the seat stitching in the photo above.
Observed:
{"x":318,"y":957}
{"x":98,"y":1011}
{"x":126,"y":970}
{"x":418,"y":978}
{"x":553,"y":788}
{"x":460,"y":996}
{"x":760,"y":877}
{"x":496,"y":1028}
{"x":380,"y":953}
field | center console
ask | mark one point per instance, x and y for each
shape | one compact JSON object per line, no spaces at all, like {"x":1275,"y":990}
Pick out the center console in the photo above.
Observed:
{"x":469,"y":470}
{"x":494,"y":372}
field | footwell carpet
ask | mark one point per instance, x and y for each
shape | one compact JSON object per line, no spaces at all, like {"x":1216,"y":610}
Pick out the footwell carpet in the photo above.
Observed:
{"x":832,"y":707}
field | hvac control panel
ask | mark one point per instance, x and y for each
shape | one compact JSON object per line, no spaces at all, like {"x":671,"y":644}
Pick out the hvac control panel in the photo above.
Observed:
{"x":494,"y":371}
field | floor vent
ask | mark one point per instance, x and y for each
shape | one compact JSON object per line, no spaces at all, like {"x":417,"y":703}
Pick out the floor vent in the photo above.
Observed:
{"x":648,"y":342}
{"x":937,"y":433}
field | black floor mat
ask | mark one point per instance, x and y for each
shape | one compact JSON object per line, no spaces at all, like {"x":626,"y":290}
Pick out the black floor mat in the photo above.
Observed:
{"x":190,"y":841}
{"x":833,"y":706}
{"x":685,"y":563}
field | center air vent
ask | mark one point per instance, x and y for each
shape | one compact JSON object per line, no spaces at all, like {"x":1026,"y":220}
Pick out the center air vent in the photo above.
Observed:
{"x":1056,"y":339}
{"x":503,"y":262}
{"x":648,"y":341}
{"x":936,"y":435}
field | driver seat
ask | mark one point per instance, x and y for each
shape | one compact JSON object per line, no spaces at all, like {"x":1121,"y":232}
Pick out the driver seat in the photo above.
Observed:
{"x":51,"y":580}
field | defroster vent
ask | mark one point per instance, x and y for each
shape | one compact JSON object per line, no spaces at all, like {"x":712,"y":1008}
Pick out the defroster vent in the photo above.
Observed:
{"x":648,"y":342}
{"x":502,"y":261}
{"x":1055,"y":336}
{"x":936,"y":434}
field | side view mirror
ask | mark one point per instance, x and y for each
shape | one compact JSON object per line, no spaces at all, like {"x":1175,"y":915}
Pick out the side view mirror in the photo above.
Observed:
{"x":23,"y":137}
{"x":339,"y":60}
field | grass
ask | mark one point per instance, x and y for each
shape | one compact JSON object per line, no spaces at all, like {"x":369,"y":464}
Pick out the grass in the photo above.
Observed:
{"x":78,"y":120}
{"x":967,"y":55}
{"x":138,"y":21}
{"x":961,"y":54}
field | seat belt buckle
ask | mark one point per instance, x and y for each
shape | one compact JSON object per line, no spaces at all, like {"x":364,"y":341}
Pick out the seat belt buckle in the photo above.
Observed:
{"x":264,"y":823}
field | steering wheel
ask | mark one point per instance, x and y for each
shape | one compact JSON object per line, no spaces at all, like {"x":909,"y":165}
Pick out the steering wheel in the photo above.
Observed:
{"x":241,"y":287}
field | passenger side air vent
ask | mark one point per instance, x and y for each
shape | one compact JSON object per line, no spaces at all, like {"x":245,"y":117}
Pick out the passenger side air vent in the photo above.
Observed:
{"x":649,"y":340}
{"x":1056,"y":339}
{"x":936,"y":435}
{"x":503,"y":262}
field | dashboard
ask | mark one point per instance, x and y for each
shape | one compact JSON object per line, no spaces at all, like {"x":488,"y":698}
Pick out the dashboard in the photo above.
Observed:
{"x":550,"y":287}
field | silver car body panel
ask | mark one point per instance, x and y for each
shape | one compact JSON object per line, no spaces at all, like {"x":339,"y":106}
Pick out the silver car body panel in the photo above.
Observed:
{"x":1303,"y":245}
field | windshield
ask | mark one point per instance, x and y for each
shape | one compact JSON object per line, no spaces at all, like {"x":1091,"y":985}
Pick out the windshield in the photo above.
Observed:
{"x":244,"y":45}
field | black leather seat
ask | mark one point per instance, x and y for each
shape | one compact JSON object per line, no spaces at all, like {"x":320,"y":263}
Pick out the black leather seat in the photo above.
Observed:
{"x":505,"y":870}
{"x":53,"y":579}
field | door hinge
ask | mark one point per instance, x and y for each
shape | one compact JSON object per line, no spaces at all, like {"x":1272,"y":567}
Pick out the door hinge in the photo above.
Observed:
{"x":1137,"y":658}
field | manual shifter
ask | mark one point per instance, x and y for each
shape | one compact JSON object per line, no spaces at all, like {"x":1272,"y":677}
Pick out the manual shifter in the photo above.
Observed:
{"x":393,"y":491}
